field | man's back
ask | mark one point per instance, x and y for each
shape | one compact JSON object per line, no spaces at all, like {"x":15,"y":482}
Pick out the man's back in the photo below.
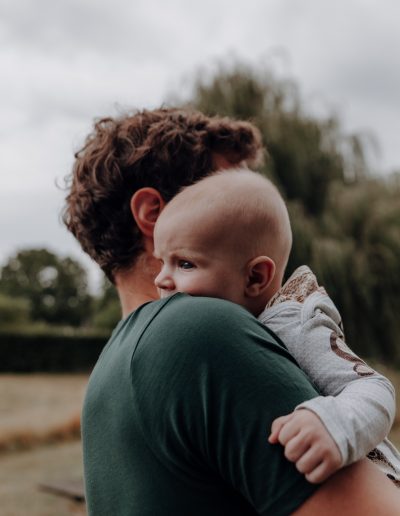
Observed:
{"x":178,"y":410}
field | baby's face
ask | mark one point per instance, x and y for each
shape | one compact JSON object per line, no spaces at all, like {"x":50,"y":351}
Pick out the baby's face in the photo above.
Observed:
{"x":191,"y":264}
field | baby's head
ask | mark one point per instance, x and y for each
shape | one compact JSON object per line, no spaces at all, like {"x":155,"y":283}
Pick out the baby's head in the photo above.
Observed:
{"x":227,"y":236}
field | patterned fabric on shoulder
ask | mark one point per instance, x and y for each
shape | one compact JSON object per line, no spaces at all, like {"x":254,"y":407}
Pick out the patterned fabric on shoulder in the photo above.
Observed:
{"x":301,"y":284}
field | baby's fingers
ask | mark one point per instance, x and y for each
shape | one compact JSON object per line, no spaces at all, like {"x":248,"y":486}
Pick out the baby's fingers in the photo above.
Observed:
{"x":309,"y":461}
{"x":296,"y":447}
{"x":276,"y":428}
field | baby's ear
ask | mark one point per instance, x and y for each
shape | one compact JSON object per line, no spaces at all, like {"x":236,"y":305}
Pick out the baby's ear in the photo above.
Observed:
{"x":260,"y":273}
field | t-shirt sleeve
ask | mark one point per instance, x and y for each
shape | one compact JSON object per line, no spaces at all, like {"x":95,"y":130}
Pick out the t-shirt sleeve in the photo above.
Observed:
{"x":216,"y":379}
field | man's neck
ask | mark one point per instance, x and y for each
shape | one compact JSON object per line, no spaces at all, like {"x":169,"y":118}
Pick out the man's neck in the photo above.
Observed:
{"x":136,"y":285}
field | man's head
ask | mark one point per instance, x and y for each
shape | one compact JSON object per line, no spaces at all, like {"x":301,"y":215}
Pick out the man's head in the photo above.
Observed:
{"x":158,"y":152}
{"x":226,"y":236}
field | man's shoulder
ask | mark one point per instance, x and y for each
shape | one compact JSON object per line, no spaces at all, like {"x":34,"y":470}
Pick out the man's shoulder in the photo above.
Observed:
{"x":208,"y":308}
{"x":203,"y":316}
{"x":186,"y":324}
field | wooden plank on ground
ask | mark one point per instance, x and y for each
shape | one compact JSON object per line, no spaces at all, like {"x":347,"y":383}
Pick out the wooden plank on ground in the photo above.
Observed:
{"x":72,"y":489}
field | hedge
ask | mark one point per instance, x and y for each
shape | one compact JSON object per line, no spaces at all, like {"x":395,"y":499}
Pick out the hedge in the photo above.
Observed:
{"x":24,"y":353}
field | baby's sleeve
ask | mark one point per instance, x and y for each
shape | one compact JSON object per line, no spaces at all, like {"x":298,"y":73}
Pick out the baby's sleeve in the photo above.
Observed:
{"x":358,"y":404}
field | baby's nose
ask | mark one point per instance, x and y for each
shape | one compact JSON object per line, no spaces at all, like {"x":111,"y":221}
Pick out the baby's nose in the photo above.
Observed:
{"x":164,"y":282}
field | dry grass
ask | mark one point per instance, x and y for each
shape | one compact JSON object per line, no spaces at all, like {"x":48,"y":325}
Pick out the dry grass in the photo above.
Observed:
{"x":39,"y":408}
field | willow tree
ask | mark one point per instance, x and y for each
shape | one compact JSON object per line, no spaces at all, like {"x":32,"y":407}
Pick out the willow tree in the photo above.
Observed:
{"x":306,"y":154}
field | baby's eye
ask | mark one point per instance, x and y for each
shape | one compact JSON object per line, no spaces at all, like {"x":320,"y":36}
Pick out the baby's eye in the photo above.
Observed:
{"x":184,"y":264}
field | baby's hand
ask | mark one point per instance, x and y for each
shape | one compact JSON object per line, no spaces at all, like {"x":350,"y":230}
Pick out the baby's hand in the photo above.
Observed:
{"x":307,"y":443}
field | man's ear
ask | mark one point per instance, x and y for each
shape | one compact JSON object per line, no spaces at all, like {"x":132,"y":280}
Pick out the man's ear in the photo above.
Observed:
{"x":260,"y":273}
{"x":146,"y":206}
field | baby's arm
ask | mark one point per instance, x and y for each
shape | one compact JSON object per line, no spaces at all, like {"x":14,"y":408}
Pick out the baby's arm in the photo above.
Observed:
{"x":358,"y":408}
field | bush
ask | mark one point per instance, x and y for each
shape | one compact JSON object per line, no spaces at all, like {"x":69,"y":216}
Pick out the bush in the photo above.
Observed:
{"x":28,"y":353}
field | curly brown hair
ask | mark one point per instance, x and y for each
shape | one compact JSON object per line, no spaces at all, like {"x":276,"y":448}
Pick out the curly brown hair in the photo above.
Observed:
{"x":166,"y":149}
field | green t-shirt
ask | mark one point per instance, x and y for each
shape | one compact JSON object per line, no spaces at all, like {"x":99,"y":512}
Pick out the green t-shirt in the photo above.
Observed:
{"x":178,"y":411}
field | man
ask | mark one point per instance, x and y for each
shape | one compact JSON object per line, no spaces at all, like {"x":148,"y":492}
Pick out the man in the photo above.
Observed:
{"x":181,"y":401}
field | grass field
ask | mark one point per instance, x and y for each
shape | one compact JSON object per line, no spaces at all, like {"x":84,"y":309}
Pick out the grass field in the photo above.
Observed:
{"x":39,"y":408}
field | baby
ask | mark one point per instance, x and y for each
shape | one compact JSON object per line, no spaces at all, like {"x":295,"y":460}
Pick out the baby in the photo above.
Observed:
{"x":229,"y":236}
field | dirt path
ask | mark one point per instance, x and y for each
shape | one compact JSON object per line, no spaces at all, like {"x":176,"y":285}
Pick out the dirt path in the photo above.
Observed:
{"x":21,"y":472}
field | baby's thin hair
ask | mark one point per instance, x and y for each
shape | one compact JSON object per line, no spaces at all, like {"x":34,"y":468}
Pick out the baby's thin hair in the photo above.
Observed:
{"x":240,"y":204}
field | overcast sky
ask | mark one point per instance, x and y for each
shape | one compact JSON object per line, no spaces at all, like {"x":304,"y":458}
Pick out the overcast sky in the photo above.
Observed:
{"x":65,"y":62}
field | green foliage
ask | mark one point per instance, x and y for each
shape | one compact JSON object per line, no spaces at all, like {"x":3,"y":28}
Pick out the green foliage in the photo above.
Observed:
{"x":107,"y":308}
{"x":346,"y":224}
{"x":13,"y":311}
{"x":56,"y":288}
{"x":306,"y":154}
{"x":358,"y":257}
{"x":107,"y":317}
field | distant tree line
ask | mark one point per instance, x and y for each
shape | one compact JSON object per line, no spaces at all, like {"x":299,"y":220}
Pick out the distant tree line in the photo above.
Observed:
{"x":345,"y":219}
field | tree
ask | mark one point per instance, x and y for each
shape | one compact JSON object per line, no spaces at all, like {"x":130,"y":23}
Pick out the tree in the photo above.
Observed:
{"x":55,"y":287}
{"x":306,"y":154}
{"x":357,"y":254}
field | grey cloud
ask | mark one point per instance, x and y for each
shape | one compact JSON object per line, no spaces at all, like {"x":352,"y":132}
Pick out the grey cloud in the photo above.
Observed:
{"x":71,"y":27}
{"x":33,"y":221}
